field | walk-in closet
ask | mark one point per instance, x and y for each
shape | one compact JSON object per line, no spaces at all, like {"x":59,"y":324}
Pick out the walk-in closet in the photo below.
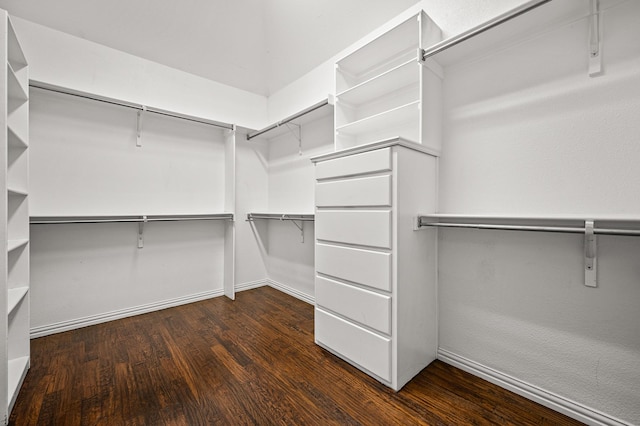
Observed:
{"x":317,"y":212}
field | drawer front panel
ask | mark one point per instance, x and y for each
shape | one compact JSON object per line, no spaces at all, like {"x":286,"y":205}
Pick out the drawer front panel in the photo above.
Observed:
{"x":361,"y":346}
{"x":367,"y":191}
{"x":366,"y":162}
{"x":366,"y":307}
{"x":367,"y":228}
{"x":364,"y":267}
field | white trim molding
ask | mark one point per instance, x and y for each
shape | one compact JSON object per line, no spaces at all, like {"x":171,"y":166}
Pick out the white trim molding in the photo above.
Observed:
{"x":292,"y":291}
{"x":249,"y":285}
{"x":541,"y":396}
{"x":59,"y":327}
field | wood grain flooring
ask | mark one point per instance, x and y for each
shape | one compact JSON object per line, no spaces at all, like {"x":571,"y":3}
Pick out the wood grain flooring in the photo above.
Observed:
{"x":248,"y":362}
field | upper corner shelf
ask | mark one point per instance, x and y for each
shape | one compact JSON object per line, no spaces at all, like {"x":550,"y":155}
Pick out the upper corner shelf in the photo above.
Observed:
{"x":399,"y":44}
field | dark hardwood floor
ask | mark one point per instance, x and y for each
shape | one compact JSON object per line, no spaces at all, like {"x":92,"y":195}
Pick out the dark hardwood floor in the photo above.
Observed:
{"x":248,"y":362}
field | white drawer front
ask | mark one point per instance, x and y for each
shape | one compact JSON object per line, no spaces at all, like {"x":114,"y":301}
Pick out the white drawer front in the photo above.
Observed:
{"x":367,"y":191}
{"x":361,"y":346}
{"x":364,"y":267}
{"x":367,"y":228}
{"x":366,"y":162}
{"x":366,"y":307}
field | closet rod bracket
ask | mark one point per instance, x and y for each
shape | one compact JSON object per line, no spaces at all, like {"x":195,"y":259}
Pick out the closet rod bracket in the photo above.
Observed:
{"x":139,"y":126}
{"x":590,"y":255}
{"x":595,"y":39}
{"x":141,"y":232}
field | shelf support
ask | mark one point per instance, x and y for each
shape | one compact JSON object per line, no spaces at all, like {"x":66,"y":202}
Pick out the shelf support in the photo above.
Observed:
{"x":300,"y":227}
{"x":595,"y":40}
{"x":297,"y":136}
{"x":139,"y":126}
{"x":590,"y":255}
{"x":141,"y":232}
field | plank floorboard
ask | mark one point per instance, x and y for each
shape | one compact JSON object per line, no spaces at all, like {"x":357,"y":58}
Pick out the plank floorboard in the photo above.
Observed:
{"x":252,"y":361}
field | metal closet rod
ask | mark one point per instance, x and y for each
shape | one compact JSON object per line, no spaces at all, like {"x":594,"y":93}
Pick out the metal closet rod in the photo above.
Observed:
{"x":280,"y":216}
{"x":41,"y":220}
{"x":130,"y":105}
{"x":288,"y":119}
{"x":424,"y":221}
{"x":427,"y":53}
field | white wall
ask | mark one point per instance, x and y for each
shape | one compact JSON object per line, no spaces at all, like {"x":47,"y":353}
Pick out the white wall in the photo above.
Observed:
{"x":452,"y":16}
{"x":290,"y":262}
{"x":60,"y":59}
{"x":252,"y":183}
{"x":84,"y":161}
{"x":528,"y":132}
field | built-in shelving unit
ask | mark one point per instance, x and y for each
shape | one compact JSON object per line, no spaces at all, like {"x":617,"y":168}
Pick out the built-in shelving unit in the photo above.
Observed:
{"x":382,"y":91}
{"x":15,"y":217}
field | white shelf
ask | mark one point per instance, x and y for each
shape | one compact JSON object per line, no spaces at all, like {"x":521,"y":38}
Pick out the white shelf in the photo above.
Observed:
{"x":16,"y":91}
{"x":403,"y":75}
{"x":21,"y":87}
{"x":18,"y":121}
{"x":15,"y":53}
{"x":15,"y":141}
{"x":384,"y":49}
{"x":16,"y":191}
{"x":14,"y":298}
{"x":16,"y":244}
{"x":383,"y":120}
{"x":17,"y":371}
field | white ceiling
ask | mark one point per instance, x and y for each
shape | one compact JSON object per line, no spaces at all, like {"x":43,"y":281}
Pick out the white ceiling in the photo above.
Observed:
{"x":255,"y":45}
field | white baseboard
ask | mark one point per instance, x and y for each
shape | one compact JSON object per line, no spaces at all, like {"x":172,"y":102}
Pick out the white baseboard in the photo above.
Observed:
{"x":59,"y":327}
{"x":251,"y":285}
{"x":548,"y":399}
{"x":291,"y":291}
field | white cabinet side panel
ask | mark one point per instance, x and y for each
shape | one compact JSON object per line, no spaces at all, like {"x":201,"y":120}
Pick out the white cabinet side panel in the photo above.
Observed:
{"x":415,"y":303}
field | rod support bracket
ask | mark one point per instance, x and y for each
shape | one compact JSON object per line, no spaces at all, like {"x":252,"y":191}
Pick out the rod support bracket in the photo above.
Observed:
{"x":590,"y":255}
{"x":595,"y":40}
{"x":141,"y":232}
{"x":139,"y":126}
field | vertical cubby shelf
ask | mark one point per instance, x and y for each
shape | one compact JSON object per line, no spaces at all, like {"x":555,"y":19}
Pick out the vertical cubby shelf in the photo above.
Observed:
{"x":381,"y":88}
{"x":15,"y":217}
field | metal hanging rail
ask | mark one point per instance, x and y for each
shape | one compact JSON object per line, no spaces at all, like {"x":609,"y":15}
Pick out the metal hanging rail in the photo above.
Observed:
{"x":434,"y":221}
{"x":293,"y":218}
{"x":118,"y":102}
{"x":288,"y":119}
{"x":527,"y":7}
{"x":589,"y":230}
{"x":140,"y":220}
{"x":281,"y":216}
{"x":42,"y":220}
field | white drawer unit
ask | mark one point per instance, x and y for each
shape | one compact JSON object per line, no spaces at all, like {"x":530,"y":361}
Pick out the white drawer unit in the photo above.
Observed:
{"x":364,"y":227}
{"x":375,"y":276}
{"x":365,"y":162}
{"x":363,"y":306}
{"x":368,"y":191}
{"x":369,"y":350}
{"x":366,"y":267}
